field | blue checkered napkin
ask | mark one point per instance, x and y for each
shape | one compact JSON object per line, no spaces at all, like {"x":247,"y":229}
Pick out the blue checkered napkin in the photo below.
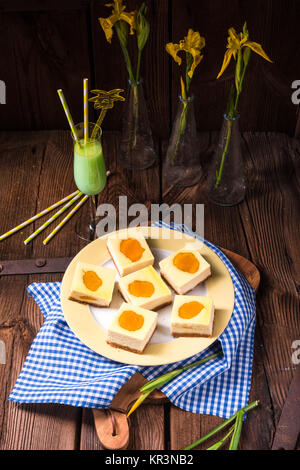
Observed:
{"x":59,"y":368}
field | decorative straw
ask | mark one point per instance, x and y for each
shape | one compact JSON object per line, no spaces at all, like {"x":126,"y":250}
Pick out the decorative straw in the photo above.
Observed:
{"x":37,"y":216}
{"x":54,"y":217}
{"x":68,"y":114}
{"x":65,"y":220}
{"x":85,"y":110}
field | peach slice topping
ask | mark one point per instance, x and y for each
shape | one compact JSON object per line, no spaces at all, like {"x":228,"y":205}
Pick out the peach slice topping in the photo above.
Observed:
{"x":141,"y":288}
{"x":190,"y":310}
{"x":186,"y":262}
{"x":131,"y":321}
{"x":91,"y":280}
{"x":132,"y":249}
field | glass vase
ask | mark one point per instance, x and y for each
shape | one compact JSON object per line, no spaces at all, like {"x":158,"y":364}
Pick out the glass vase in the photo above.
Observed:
{"x":226,"y":182}
{"x":182,"y":164}
{"x":136,"y":148}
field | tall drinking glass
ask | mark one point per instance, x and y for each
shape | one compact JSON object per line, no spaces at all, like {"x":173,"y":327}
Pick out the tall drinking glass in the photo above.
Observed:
{"x":89,"y":175}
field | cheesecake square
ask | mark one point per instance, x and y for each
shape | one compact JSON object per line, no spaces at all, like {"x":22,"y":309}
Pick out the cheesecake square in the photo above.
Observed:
{"x":184,"y":270}
{"x":192,"y":316}
{"x":145,"y":288}
{"x":132,"y":328}
{"x":129,"y":253}
{"x":92,"y":284}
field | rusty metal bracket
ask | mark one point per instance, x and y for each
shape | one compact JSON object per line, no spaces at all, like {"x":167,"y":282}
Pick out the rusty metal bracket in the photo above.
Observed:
{"x":33,"y":266}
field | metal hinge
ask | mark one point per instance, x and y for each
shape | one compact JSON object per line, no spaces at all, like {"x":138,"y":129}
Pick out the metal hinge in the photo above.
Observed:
{"x":33,"y":266}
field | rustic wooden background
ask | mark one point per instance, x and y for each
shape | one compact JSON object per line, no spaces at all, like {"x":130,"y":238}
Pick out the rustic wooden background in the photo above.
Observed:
{"x":51,"y":44}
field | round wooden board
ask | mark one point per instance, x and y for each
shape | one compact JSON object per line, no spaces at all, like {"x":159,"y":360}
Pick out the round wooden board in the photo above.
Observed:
{"x":85,"y":327}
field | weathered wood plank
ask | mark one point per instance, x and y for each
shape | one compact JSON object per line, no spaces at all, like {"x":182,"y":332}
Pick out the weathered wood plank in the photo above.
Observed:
{"x":37,"y":169}
{"x":219,"y":223}
{"x":37,"y":161}
{"x":138,"y":186}
{"x":46,"y":50}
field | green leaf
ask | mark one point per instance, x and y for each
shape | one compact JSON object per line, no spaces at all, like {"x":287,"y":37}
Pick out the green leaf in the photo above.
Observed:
{"x":237,"y":431}
{"x":245,"y":29}
{"x":238,"y":70}
{"x":189,"y":63}
{"x":246,"y":56}
{"x":163,"y":379}
{"x":123,"y":32}
{"x":142,"y":27}
{"x":222,"y":441}
{"x":138,"y":402}
{"x":221,"y":426}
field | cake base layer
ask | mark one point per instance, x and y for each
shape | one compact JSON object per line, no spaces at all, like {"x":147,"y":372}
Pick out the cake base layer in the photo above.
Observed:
{"x":94,"y":304}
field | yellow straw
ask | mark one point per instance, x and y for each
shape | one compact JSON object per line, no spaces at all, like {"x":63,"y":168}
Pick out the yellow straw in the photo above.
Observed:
{"x":54,"y":217}
{"x":85,"y":110}
{"x":68,"y":114}
{"x":65,"y":220}
{"x":37,"y":216}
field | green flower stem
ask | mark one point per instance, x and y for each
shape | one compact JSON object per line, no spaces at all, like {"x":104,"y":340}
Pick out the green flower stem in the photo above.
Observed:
{"x":225,"y":151}
{"x":232,"y":114}
{"x":182,"y":126}
{"x":125,"y":52}
{"x":138,"y":68}
{"x":160,"y":381}
{"x":222,"y":441}
{"x":221,"y":426}
{"x":183,"y":117}
{"x":237,"y":431}
{"x":136,"y":113}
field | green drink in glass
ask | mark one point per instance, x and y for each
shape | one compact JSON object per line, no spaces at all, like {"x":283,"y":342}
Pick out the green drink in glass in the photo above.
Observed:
{"x":89,"y":165}
{"x":89,"y":174}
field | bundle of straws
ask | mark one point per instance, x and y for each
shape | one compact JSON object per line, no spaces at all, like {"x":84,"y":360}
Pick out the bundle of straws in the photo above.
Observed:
{"x":71,"y":198}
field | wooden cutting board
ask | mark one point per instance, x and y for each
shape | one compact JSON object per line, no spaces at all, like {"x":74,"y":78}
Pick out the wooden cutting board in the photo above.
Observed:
{"x":112,"y":425}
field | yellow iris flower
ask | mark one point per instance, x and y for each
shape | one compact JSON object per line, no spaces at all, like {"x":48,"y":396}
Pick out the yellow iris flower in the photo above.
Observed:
{"x":236,"y":42}
{"x":118,"y":14}
{"x":192,"y":43}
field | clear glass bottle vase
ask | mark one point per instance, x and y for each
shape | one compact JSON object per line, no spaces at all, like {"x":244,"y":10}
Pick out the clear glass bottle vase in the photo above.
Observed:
{"x":182,"y":163}
{"x":136,"y":147}
{"x":226,"y":181}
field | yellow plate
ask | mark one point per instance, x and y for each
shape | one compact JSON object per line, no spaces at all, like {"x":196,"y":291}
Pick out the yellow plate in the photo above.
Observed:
{"x":87,"y":329}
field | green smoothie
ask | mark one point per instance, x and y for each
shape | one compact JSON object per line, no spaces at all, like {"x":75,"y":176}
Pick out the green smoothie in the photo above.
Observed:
{"x":89,"y":167}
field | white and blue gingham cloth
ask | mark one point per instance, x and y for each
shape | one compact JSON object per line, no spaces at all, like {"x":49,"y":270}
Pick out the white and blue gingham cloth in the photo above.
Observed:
{"x":59,"y":368}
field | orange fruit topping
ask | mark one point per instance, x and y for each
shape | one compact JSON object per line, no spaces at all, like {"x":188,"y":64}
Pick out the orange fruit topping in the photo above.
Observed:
{"x":91,"y":280}
{"x":186,"y":262}
{"x":190,"y":309}
{"x":131,"y":321}
{"x":132,"y":249}
{"x":141,"y":288}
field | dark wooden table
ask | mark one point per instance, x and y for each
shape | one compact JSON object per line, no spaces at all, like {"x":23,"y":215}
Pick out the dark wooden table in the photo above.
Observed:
{"x":36,"y":170}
